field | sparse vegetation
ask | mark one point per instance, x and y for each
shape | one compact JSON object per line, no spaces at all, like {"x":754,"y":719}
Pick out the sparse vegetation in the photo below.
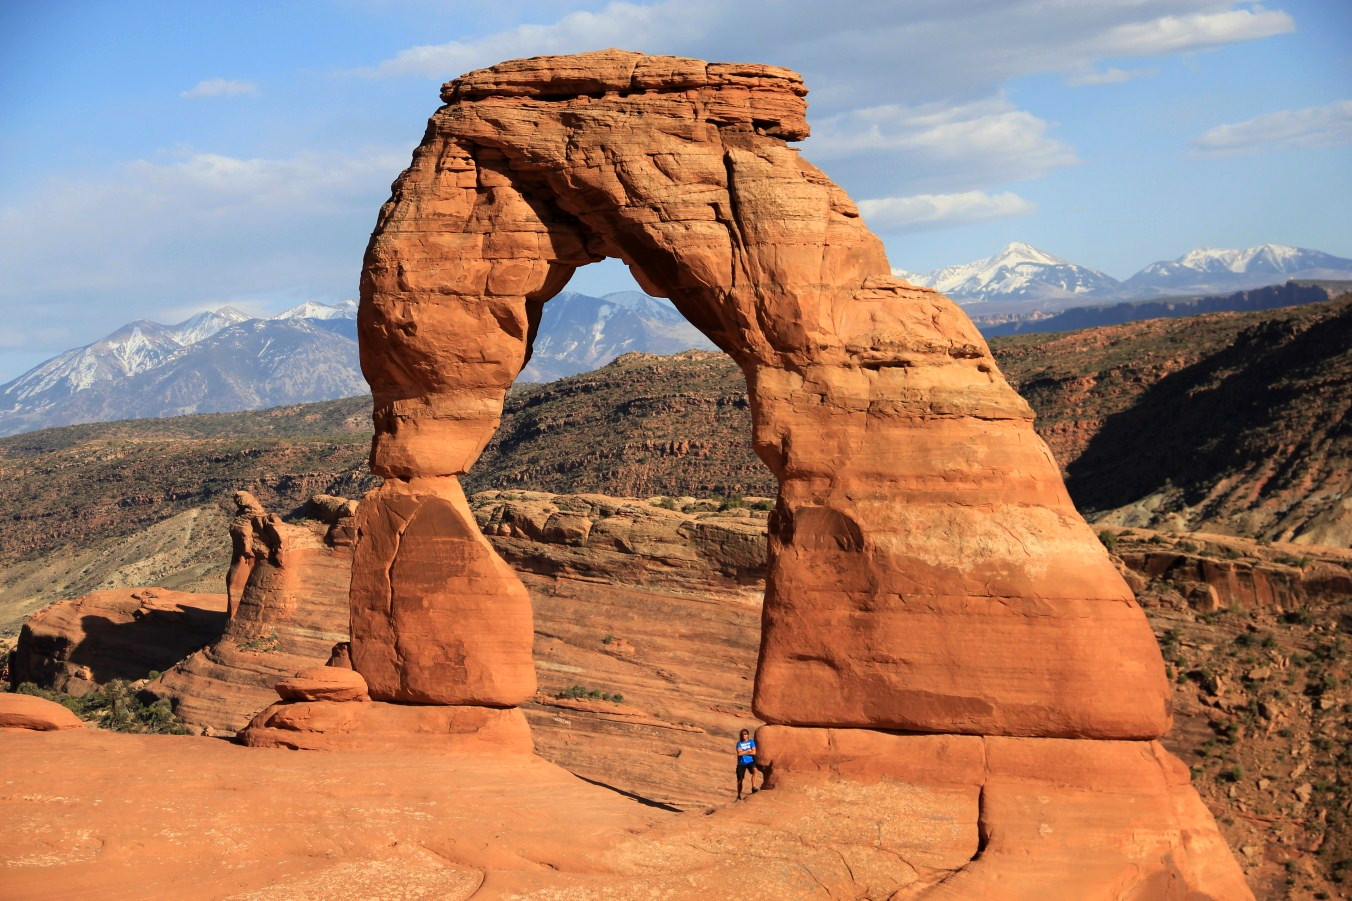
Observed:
{"x":583,"y":693}
{"x":115,"y":707}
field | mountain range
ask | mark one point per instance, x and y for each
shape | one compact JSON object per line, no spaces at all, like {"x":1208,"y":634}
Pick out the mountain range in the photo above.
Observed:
{"x":1021,"y":272}
{"x":224,"y":360}
{"x":578,"y":332}
{"x":214,"y":362}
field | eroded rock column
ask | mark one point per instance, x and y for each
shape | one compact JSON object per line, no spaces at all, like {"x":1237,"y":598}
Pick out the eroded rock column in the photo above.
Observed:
{"x":450,"y":297}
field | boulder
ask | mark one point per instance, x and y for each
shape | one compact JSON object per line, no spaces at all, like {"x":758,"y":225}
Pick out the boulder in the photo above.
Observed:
{"x":379,"y":727}
{"x":324,"y":683}
{"x":34,"y":714}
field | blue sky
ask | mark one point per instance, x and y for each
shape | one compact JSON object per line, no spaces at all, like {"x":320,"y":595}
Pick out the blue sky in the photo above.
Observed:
{"x":157,"y":159}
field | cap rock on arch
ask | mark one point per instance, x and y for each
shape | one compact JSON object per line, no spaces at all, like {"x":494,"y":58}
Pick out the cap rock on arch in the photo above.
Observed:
{"x":927,"y":569}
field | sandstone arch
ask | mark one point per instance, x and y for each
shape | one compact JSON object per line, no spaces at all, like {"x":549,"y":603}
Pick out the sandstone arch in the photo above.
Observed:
{"x":928,"y":572}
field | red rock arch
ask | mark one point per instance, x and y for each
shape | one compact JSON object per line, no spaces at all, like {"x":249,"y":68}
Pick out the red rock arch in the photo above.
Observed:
{"x":927,"y":569}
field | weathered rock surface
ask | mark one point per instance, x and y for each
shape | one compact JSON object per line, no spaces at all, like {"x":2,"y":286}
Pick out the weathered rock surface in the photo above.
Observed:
{"x":376,"y":727}
{"x":287,"y":589}
{"x":33,"y":714}
{"x":75,"y":646}
{"x":624,"y":539}
{"x":1053,"y":818}
{"x":437,"y":617}
{"x":324,"y":683}
{"x":1216,"y":572}
{"x":924,"y":553}
{"x":955,"y":817}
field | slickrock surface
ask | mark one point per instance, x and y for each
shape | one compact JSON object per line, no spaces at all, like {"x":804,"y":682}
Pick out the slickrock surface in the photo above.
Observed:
{"x":75,"y":646}
{"x":1258,"y":688}
{"x":287,"y":608}
{"x":82,"y":815}
{"x":923,"y":553}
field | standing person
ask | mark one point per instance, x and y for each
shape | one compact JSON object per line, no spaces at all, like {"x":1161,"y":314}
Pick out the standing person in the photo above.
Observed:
{"x":746,"y":761}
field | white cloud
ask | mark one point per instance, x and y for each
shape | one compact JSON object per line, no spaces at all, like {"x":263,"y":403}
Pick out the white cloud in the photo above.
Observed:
{"x":924,"y":212}
{"x":1315,"y":126}
{"x":874,"y":51}
{"x":981,"y":142}
{"x":619,"y":24}
{"x":1108,"y":76}
{"x":197,"y":230}
{"x":219,"y":87}
{"x":1199,"y":31}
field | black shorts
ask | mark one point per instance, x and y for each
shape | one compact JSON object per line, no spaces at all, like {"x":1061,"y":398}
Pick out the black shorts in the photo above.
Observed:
{"x":742,"y":769}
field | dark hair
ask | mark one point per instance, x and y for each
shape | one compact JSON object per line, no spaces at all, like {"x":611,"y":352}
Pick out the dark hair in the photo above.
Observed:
{"x":746,"y":732}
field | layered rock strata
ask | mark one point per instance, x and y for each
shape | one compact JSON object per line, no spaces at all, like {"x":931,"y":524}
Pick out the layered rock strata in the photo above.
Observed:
{"x":118,"y":633}
{"x":927,"y":570}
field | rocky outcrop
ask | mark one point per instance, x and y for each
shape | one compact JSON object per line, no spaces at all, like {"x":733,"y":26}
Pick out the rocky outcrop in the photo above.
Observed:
{"x":33,"y":714}
{"x":75,"y":646}
{"x":923,"y":552}
{"x":1210,"y":573}
{"x":638,"y":542}
{"x":927,"y":571}
{"x":287,"y":589}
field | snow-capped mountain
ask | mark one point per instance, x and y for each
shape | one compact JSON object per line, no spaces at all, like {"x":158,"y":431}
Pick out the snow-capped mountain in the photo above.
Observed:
{"x":1205,"y":269}
{"x":204,"y":325}
{"x":224,"y":360}
{"x":1018,"y":272}
{"x":1022,"y":272}
{"x":112,"y":378}
{"x":578,"y":332}
{"x":344,"y":309}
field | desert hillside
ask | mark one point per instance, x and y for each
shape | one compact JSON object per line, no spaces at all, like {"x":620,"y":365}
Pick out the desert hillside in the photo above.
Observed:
{"x":1231,"y":423}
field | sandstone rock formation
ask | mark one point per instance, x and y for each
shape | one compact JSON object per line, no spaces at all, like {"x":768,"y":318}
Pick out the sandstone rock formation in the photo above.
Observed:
{"x":90,"y":813}
{"x":924,"y":554}
{"x":287,"y":589}
{"x":33,"y":714}
{"x":75,"y":646}
{"x":324,"y":683}
{"x":927,"y":571}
